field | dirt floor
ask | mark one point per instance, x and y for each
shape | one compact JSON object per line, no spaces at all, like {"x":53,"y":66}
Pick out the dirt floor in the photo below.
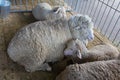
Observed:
{"x":12,"y":71}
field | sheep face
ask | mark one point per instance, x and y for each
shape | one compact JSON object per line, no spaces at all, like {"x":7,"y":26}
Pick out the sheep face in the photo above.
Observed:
{"x":73,"y":49}
{"x":57,"y":13}
{"x":81,"y":27}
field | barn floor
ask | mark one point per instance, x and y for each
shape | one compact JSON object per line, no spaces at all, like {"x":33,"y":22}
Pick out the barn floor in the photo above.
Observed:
{"x":12,"y":71}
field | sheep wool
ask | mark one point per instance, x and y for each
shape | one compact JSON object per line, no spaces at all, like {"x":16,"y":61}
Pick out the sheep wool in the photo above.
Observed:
{"x":99,"y":70}
{"x":41,"y":42}
{"x":104,"y":51}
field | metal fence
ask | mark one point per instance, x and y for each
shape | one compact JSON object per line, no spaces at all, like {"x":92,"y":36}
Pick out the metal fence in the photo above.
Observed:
{"x":23,"y":5}
{"x":104,"y":13}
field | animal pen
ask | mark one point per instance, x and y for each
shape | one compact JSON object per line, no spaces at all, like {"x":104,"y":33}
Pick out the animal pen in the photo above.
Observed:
{"x":104,"y":13}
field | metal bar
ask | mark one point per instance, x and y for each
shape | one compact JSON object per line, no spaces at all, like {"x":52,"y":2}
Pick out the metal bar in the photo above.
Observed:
{"x":92,"y":6}
{"x":107,"y":16}
{"x":21,"y":11}
{"x":85,"y":6}
{"x":76,"y":5}
{"x":99,"y":12}
{"x":114,"y":26}
{"x":104,"y":12}
{"x":110,"y":6}
{"x":96,"y":9}
{"x":88,"y":7}
{"x":20,"y":4}
{"x":111,"y":19}
{"x":32,"y":3}
{"x":116,"y":35}
{"x":81,"y":6}
{"x":26,"y":4}
{"x":73,"y":3}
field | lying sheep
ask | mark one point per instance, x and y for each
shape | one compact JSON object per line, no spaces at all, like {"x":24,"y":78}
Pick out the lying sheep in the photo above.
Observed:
{"x":41,"y":42}
{"x":43,"y":11}
{"x":78,"y":49}
{"x":99,"y":70}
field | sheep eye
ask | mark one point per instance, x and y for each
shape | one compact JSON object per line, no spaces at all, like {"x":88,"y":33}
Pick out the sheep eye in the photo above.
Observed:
{"x":55,"y":9}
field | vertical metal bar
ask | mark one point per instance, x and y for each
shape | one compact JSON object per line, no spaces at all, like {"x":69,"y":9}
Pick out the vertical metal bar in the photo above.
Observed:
{"x":104,"y":12}
{"x":88,"y":7}
{"x":81,"y":6}
{"x":72,"y":5}
{"x":107,"y":16}
{"x":114,"y":26}
{"x":85,"y":6}
{"x":32,"y":3}
{"x":99,"y":12}
{"x":76,"y":5}
{"x":92,"y":7}
{"x":26,"y":5}
{"x":116,"y":35}
{"x":111,"y":18}
{"x":20,"y":4}
{"x":96,"y":9}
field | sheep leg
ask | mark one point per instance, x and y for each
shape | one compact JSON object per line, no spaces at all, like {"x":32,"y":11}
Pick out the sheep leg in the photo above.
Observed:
{"x":44,"y":67}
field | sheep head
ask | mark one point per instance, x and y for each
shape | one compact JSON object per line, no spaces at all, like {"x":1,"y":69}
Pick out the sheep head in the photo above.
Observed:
{"x":81,"y":27}
{"x":75,"y":48}
{"x":57,"y":13}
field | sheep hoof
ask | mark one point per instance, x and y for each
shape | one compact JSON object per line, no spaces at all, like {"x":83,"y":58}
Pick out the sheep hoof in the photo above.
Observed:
{"x":45,"y":67}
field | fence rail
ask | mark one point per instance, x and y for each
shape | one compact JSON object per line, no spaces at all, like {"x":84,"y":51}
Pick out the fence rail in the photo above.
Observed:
{"x":104,"y":13}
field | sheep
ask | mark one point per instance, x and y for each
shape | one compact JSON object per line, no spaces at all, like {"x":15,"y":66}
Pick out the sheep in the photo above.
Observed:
{"x":41,"y":42}
{"x":98,"y":70}
{"x":43,"y":11}
{"x":76,"y":48}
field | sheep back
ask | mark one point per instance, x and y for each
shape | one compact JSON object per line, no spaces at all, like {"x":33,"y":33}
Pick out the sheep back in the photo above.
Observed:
{"x":104,"y":51}
{"x":39,"y":42}
{"x":99,"y":70}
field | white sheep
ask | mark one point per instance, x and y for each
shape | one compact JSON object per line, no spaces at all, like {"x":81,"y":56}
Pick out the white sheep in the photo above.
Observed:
{"x":98,"y":70}
{"x":43,"y":11}
{"x":78,"y":49}
{"x":41,"y":42}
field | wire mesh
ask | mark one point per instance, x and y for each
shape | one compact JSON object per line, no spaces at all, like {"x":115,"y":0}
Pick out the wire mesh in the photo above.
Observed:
{"x":105,"y":14}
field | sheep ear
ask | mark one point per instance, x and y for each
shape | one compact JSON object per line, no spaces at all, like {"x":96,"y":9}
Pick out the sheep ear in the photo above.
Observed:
{"x":79,"y":54}
{"x":68,"y":52}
